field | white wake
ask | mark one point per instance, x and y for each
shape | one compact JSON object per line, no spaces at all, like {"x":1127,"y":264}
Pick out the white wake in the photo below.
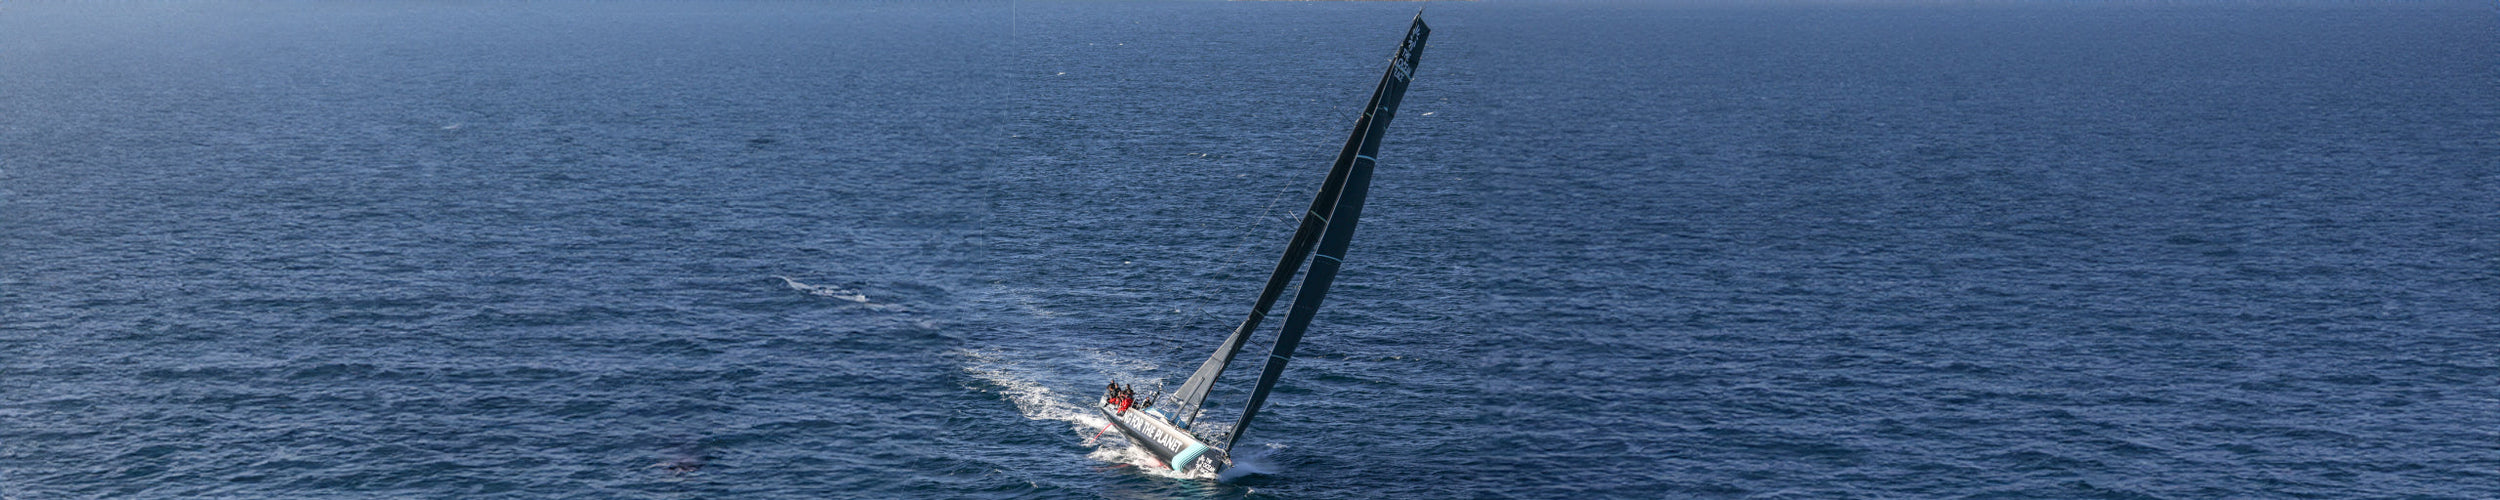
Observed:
{"x":1038,"y":402}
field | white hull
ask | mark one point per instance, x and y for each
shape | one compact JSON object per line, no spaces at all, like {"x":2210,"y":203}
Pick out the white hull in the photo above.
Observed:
{"x":1175,"y":448}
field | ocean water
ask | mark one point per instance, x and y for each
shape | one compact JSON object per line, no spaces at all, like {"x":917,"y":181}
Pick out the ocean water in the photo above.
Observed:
{"x":888,"y":250}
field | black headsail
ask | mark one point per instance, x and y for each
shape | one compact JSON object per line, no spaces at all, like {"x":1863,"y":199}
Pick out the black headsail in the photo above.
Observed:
{"x":1357,"y":160}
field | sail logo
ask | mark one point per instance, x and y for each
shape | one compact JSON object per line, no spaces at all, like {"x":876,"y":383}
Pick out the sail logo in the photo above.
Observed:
{"x":1404,"y":65}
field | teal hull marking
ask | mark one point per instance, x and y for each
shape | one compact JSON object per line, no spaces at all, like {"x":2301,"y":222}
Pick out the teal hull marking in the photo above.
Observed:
{"x":1182,"y":459}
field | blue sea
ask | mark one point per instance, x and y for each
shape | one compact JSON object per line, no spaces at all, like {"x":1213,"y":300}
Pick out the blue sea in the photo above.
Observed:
{"x":680,"y":250}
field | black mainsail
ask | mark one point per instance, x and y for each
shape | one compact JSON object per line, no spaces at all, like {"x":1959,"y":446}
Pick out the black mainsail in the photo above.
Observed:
{"x":1322,"y":239}
{"x":1359,"y":155}
{"x":1192,"y":395}
{"x":1328,"y":226}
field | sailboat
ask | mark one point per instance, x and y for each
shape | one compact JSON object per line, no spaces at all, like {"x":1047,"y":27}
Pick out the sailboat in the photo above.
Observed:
{"x":1166,"y":432}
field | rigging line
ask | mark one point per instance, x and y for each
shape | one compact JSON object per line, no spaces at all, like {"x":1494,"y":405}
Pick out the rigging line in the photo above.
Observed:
{"x":1319,"y":123}
{"x":1178,"y":318}
{"x":1251,"y":230}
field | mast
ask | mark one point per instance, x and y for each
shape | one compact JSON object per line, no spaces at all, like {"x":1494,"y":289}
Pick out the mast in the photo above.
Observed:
{"x":1359,"y":155}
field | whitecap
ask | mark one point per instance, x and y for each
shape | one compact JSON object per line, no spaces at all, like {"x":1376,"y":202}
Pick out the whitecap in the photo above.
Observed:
{"x":825,"y":290}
